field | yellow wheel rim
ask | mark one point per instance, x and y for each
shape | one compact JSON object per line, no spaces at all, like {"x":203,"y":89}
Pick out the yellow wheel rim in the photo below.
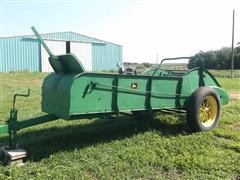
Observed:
{"x":208,"y":111}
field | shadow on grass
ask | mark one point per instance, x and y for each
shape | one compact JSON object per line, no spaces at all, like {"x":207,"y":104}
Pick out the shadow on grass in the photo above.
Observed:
{"x":42,"y":143}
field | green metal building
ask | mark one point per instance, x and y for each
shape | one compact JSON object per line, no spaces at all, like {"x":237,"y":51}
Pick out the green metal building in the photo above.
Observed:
{"x":25,"y":53}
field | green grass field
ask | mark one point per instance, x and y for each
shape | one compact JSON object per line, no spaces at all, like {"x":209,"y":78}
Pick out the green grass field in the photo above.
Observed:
{"x":120,"y":147}
{"x":231,"y":85}
{"x":225,"y":73}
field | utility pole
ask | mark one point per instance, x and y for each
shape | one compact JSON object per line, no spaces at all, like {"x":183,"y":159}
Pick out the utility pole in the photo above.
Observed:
{"x":232,"y":61}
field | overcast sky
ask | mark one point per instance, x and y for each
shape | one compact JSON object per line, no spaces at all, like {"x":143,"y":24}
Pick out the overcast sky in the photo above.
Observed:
{"x":144,"y":28}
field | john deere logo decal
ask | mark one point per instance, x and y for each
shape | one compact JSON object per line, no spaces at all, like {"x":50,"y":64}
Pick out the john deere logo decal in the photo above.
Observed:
{"x":134,"y":85}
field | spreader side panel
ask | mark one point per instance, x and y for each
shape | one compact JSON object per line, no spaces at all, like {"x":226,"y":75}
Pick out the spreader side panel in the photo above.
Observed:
{"x":56,"y":95}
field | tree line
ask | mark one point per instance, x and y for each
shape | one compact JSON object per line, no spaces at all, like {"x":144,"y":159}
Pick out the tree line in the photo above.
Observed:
{"x":214,"y":59}
{"x":218,"y":59}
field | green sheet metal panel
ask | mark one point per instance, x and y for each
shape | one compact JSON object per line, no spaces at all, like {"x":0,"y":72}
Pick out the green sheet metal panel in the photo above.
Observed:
{"x":163,"y":94}
{"x":56,"y":93}
{"x":92,"y":93}
{"x":66,"y":64}
{"x":65,"y":95}
{"x":192,"y":78}
{"x":131,"y":93}
{"x":191,"y":83}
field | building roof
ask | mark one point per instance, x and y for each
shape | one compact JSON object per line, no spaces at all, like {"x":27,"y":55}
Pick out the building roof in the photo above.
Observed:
{"x":65,"y":36}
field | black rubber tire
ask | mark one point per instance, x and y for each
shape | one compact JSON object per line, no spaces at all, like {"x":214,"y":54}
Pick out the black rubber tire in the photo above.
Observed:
{"x":4,"y":158}
{"x":193,"y":109}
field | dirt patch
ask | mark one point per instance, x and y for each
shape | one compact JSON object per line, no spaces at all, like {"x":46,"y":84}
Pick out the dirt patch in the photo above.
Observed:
{"x":236,"y":126}
{"x":234,"y":95}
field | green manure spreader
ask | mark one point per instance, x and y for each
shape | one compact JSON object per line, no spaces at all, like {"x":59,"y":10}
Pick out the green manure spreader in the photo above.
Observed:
{"x":72,"y":93}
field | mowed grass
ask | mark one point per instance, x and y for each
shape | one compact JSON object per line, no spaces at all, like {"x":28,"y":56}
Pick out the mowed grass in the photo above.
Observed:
{"x":225,"y":73}
{"x":231,"y":85}
{"x":223,"y":77}
{"x":120,"y":147}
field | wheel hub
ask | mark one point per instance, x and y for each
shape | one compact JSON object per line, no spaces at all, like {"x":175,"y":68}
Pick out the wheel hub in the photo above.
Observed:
{"x":208,"y":111}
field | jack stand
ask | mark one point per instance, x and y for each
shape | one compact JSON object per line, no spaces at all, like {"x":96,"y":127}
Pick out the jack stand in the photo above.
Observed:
{"x":13,"y":156}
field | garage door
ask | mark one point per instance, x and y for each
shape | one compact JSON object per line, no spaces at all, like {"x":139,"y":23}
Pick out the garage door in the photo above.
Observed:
{"x":57,"y":48}
{"x":83,"y":51}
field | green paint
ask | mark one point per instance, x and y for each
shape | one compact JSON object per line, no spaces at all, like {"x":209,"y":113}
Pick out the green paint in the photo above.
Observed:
{"x":3,"y":129}
{"x":12,"y":128}
{"x":67,"y":63}
{"x":66,"y":95}
{"x":34,"y":121}
{"x":71,"y":92}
